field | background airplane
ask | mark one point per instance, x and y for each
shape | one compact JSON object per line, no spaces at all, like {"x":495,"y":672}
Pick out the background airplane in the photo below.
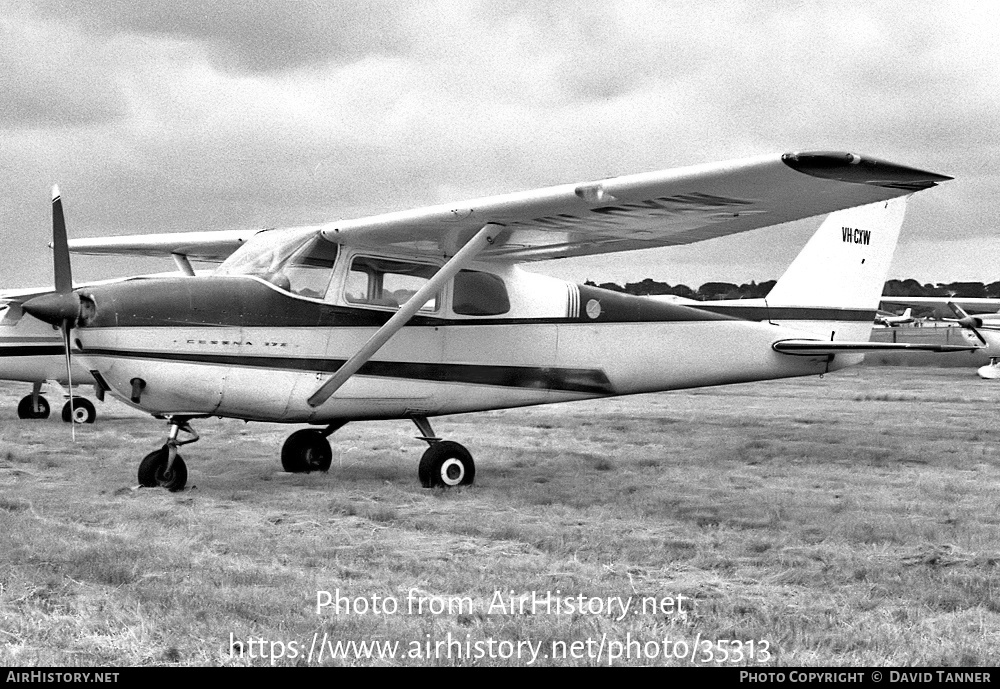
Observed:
{"x":32,"y":351}
{"x":425,"y":313}
{"x":892,"y":320}
{"x":980,"y":328}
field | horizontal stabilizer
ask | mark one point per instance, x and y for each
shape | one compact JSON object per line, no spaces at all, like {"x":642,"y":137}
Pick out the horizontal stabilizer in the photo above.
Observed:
{"x":824,"y":348}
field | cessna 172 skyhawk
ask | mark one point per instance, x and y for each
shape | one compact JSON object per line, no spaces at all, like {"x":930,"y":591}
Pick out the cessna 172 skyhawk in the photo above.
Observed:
{"x":424,"y":313}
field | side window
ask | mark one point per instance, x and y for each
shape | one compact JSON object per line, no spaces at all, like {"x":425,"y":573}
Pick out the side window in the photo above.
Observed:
{"x":386,"y":282}
{"x":479,"y":294}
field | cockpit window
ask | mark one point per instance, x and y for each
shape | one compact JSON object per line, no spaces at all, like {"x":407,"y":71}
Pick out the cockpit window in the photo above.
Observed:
{"x":303,"y":266}
{"x":386,"y":282}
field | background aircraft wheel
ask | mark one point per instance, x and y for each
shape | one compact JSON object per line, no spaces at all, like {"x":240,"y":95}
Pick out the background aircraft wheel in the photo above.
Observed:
{"x":153,"y":471}
{"x":446,"y":464}
{"x":306,"y":450}
{"x":25,"y":410}
{"x":82,"y":412}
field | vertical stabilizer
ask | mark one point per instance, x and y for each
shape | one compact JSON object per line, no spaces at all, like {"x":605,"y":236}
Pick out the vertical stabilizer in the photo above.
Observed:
{"x":834,"y":285}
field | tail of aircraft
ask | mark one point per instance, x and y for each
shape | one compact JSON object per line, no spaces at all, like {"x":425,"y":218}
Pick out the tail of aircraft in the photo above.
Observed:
{"x":834,"y":285}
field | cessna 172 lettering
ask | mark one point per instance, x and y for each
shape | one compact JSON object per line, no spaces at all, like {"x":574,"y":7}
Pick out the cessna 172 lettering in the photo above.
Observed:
{"x":424,"y":313}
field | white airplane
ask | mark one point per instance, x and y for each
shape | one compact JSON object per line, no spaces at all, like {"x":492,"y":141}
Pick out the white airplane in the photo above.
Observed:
{"x":424,"y":313}
{"x":981,"y":329}
{"x":32,"y":351}
{"x":892,"y":320}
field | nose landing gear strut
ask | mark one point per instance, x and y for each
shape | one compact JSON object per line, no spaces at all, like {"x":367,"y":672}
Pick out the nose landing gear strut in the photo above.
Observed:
{"x":165,"y":467}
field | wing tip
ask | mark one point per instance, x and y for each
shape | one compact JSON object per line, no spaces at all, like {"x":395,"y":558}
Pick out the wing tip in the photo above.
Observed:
{"x":856,"y":169}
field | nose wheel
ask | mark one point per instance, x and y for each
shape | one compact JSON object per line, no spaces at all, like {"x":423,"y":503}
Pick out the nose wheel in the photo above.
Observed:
{"x":165,"y":468}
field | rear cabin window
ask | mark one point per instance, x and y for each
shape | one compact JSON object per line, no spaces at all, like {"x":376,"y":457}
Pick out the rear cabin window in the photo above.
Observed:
{"x":387,"y":282}
{"x":479,"y":294}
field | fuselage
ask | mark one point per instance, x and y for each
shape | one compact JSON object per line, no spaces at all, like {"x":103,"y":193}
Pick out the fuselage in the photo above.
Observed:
{"x":249,"y":348}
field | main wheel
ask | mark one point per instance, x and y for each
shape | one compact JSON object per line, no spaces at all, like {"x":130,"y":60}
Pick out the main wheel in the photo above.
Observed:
{"x":306,"y":450}
{"x":82,"y":411}
{"x":153,"y":471}
{"x":446,"y":464}
{"x":26,"y":410}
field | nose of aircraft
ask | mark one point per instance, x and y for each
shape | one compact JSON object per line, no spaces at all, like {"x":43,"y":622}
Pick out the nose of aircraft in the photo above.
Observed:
{"x":56,"y":308}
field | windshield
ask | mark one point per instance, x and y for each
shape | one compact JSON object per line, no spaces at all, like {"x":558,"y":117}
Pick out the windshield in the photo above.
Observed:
{"x":298,"y":261}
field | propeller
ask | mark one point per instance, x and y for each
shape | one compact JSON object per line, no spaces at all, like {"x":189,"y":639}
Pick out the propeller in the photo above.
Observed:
{"x":62,"y":308}
{"x":967,"y":321}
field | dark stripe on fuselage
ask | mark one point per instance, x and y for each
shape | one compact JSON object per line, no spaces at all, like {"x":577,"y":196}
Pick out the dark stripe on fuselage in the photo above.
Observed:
{"x":27,"y":350}
{"x":592,"y":381}
{"x":248,"y":302}
{"x":790,"y":313}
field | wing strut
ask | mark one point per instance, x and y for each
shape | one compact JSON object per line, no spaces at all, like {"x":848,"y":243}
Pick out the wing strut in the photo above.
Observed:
{"x":182,"y":263}
{"x":486,"y":236}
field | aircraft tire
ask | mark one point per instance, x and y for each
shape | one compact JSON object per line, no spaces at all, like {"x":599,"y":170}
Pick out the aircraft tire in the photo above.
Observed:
{"x":305,"y":451}
{"x":83,"y":409}
{"x":152,"y":471}
{"x":25,"y":409}
{"x":446,"y":464}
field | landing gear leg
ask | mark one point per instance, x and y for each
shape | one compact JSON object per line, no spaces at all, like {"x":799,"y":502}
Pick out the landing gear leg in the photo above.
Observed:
{"x":445,"y":463}
{"x":165,"y":467}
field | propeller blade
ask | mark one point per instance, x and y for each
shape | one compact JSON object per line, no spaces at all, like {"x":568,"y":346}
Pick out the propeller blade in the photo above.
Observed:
{"x":66,"y":328}
{"x":60,"y":246}
{"x":967,"y":321}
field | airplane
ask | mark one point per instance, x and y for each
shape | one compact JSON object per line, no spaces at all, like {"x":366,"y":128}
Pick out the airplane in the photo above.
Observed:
{"x":981,"y":329}
{"x":424,"y":313}
{"x":891,"y":320}
{"x":32,"y":352}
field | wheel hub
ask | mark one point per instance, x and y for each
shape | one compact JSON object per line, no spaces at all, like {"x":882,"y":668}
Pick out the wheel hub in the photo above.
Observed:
{"x":452,"y":472}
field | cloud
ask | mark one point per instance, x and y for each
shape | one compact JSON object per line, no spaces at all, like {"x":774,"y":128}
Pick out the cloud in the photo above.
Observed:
{"x":261,"y":36}
{"x":157,"y":116}
{"x":51,"y":78}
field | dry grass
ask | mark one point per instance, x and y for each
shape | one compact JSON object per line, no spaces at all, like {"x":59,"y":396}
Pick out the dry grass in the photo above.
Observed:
{"x":851,"y":520}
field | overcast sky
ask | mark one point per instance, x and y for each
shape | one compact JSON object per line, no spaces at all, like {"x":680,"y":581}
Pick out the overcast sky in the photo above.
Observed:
{"x":170,"y":115}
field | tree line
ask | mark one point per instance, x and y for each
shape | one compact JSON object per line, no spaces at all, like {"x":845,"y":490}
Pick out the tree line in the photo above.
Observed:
{"x":756,"y":290}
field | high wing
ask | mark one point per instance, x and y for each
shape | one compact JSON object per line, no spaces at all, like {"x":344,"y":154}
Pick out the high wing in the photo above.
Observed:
{"x":981,"y":305}
{"x":211,"y":246}
{"x":642,"y":211}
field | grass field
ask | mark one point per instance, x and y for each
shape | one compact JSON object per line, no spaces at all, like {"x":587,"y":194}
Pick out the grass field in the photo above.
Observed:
{"x":849,"y":520}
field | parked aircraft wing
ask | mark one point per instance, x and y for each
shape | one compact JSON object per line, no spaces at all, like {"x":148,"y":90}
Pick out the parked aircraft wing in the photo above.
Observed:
{"x":213,"y":246}
{"x":970,"y":304}
{"x":642,"y":211}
